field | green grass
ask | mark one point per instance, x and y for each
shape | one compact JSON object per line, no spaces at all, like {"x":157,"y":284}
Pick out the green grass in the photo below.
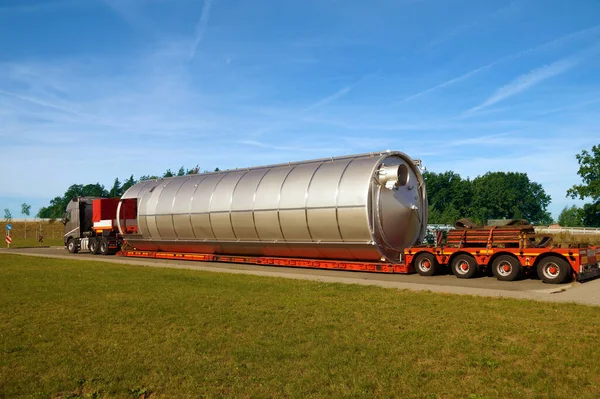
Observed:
{"x":70,"y":328}
{"x":32,"y":242}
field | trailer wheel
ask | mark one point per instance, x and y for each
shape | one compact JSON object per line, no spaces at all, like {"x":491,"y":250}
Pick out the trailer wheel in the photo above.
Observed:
{"x":426,"y":264}
{"x":93,"y":246}
{"x":554,"y":270}
{"x":72,"y":246}
{"x":103,"y":246}
{"x":506,"y":268}
{"x":464,"y":266}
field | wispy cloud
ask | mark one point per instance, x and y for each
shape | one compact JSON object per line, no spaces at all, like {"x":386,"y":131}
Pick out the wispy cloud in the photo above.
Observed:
{"x":338,"y":94}
{"x":560,"y":40}
{"x":329,"y":99}
{"x":448,"y":82}
{"x":484,"y":19}
{"x":201,"y":27}
{"x":40,"y":102}
{"x":527,"y":81}
{"x":131,"y":12}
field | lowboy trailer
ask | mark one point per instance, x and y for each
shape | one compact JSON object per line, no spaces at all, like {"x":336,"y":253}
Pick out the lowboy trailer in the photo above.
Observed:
{"x":509,"y":253}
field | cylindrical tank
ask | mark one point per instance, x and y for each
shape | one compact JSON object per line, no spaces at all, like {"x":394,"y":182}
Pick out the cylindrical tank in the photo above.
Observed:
{"x":360,"y":207}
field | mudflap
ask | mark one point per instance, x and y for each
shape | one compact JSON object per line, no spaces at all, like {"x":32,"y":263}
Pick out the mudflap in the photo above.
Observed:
{"x":589,"y":274}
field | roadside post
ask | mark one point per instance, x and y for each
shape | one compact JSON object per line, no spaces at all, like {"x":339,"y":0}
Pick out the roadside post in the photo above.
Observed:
{"x":8,"y":237}
{"x":41,"y":235}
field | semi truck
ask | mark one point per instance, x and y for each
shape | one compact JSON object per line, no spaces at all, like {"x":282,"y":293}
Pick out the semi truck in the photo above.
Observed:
{"x":90,"y":225}
{"x":365,"y":212}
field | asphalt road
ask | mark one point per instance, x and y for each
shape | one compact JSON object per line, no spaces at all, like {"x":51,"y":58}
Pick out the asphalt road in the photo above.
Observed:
{"x":584,"y":293}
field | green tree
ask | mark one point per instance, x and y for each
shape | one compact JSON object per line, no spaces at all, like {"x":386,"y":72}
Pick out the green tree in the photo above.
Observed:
{"x":116,"y":190}
{"x":168,"y":173}
{"x":181,"y":171}
{"x":589,"y":171}
{"x":148,"y":177}
{"x":127,"y":184}
{"x":7,"y":215}
{"x":571,"y":216}
{"x":193,"y":171}
{"x":449,"y":197}
{"x":59,"y":204}
{"x":510,"y":195}
{"x":25,"y":210}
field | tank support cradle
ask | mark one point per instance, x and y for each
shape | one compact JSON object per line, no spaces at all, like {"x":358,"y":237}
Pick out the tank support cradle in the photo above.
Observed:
{"x":378,"y":267}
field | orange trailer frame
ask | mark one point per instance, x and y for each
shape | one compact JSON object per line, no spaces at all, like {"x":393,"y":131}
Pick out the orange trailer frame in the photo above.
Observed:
{"x":584,"y":262}
{"x":376,"y":267}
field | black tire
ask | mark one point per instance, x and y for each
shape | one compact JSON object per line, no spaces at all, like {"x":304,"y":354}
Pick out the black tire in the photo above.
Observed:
{"x":464,"y":266}
{"x":506,"y":268}
{"x":94,"y":246}
{"x":426,"y":264}
{"x":72,"y":246}
{"x":103,"y":246}
{"x":554,"y":270}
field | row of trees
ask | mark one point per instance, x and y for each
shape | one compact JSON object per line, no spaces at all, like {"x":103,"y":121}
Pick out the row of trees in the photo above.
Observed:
{"x":59,"y":204}
{"x":495,"y":195}
{"x":510,"y":195}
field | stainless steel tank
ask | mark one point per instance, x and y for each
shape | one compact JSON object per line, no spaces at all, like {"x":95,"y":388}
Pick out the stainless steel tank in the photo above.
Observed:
{"x":361,"y":207}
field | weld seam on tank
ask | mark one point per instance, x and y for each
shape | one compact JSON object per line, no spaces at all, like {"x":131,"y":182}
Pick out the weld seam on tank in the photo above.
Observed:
{"x":306,"y":199}
{"x":231,"y":203}
{"x":337,"y":198}
{"x":173,"y":207}
{"x":279,"y":202}
{"x":212,"y":196}
{"x":254,"y":204}
{"x":197,"y":187}
{"x":160,"y":233}
{"x":306,"y":203}
{"x":161,"y":187}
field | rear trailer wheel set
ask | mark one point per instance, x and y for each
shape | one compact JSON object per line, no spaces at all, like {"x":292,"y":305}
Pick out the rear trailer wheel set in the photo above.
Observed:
{"x":550,"y":267}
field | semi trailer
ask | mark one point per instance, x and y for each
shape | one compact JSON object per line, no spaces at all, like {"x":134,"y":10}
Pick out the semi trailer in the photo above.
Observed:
{"x":365,"y":212}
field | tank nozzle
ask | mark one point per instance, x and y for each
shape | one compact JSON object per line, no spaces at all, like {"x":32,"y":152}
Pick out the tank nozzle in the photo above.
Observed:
{"x":393,"y":176}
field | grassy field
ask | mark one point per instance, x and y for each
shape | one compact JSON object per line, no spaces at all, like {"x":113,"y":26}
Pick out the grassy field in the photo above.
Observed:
{"x":73,"y":329}
{"x":25,"y":234}
{"x":31,"y":242}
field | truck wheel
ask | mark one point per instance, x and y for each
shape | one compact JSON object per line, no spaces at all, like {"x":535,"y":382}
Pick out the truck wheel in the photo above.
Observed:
{"x":554,"y":270}
{"x":103,"y":246}
{"x":72,"y":246}
{"x":93,"y":246}
{"x":426,"y":264}
{"x":464,"y":266}
{"x":506,"y":268}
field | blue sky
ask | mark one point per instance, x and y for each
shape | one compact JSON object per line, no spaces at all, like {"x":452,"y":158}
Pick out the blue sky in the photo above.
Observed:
{"x":91,"y":90}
